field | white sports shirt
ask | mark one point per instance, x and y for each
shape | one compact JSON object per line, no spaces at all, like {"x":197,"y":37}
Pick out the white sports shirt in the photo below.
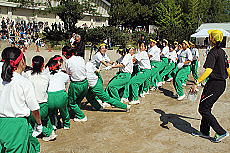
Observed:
{"x":75,"y":66}
{"x":18,"y":97}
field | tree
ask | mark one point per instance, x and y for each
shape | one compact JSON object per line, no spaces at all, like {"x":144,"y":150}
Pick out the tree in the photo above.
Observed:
{"x":169,"y":20}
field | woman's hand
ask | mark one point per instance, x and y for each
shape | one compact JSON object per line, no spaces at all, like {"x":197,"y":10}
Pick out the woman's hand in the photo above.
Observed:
{"x":193,"y":89}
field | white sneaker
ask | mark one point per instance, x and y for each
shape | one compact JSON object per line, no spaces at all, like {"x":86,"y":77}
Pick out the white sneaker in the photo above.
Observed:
{"x":100,"y":102}
{"x":66,"y":128}
{"x":181,"y":97}
{"x":128,"y":108}
{"x":134,"y":102}
{"x":146,"y":93}
{"x":124,"y":100}
{"x":105,"y":105}
{"x":50,"y":138}
{"x":142,"y":95}
{"x":184,"y":84}
{"x":80,"y":120}
{"x":55,"y":128}
{"x":159,"y":84}
{"x":170,"y":79}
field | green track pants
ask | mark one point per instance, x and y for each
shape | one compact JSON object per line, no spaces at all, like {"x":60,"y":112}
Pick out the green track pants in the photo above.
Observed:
{"x":16,"y":136}
{"x":156,"y":68}
{"x":182,"y":74}
{"x":138,"y":80}
{"x":99,"y":92}
{"x":194,"y":69}
{"x":58,"y":101}
{"x":76,"y":93}
{"x":119,"y":81}
{"x":46,"y":123}
{"x":168,"y":69}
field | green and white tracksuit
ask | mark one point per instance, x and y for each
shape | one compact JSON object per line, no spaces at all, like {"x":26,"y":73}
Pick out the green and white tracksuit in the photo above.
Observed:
{"x":78,"y":88}
{"x":58,"y":98}
{"x":142,"y":77}
{"x":96,"y":89}
{"x":171,"y":65}
{"x":15,"y":130}
{"x":183,"y":72}
{"x":122,"y":78}
{"x":195,"y":63}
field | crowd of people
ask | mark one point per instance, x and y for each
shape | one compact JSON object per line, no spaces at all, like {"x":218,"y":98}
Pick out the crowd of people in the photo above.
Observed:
{"x":32,"y":97}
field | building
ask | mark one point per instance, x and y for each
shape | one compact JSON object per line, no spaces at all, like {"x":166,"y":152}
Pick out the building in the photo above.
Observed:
{"x":201,"y":34}
{"x":13,"y":12}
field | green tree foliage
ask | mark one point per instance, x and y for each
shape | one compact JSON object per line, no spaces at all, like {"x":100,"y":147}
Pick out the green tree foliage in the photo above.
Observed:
{"x":169,"y":19}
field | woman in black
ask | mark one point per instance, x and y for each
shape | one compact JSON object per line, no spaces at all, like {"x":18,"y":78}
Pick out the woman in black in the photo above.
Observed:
{"x":217,"y":70}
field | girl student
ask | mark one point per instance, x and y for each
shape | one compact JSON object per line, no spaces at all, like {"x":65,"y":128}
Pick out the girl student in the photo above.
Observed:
{"x":57,"y":96}
{"x":75,"y":67}
{"x":185,"y":59}
{"x":96,"y":90}
{"x":155,"y":61}
{"x":142,"y":77}
{"x":40,"y":81}
{"x":172,"y":57}
{"x":17,"y":101}
{"x":123,"y":76}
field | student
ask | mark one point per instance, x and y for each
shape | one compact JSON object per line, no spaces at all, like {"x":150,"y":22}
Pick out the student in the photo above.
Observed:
{"x":75,"y":67}
{"x":172,"y":57}
{"x":40,"y":81}
{"x":122,"y":78}
{"x":185,"y":59}
{"x":155,"y":61}
{"x":17,"y":101}
{"x":141,"y":77}
{"x":96,"y":90}
{"x":165,"y":61}
{"x":57,"y":96}
{"x":195,"y":61}
{"x":217,"y":70}
{"x":101,"y":57}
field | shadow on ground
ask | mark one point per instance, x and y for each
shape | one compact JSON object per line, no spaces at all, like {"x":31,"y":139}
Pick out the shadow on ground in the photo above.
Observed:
{"x":176,"y":121}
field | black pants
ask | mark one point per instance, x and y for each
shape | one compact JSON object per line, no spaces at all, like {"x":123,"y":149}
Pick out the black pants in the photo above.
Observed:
{"x":212,"y":91}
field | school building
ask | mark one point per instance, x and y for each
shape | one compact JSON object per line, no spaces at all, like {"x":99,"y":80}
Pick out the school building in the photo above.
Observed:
{"x":14,"y":12}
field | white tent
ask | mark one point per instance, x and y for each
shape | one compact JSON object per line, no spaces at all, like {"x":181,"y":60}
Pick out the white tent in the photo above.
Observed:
{"x":204,"y":33}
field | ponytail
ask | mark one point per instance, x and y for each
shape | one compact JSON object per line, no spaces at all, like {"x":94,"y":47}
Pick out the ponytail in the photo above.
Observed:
{"x":11,"y":57}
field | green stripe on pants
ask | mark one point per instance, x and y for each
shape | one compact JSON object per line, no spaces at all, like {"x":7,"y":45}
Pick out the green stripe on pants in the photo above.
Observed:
{"x":15,"y":136}
{"x":98,"y":91}
{"x":181,"y":75}
{"x":76,"y":93}
{"x":58,"y":101}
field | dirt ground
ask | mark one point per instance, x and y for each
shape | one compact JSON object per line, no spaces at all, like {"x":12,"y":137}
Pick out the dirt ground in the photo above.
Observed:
{"x":139,"y":131}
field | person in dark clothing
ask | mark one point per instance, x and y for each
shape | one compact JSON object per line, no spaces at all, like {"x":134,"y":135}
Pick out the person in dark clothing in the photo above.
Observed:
{"x":79,"y":45}
{"x":142,"y":40}
{"x":217,"y":70}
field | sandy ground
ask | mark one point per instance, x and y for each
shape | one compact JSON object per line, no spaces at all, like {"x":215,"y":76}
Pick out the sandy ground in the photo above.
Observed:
{"x":115,"y":131}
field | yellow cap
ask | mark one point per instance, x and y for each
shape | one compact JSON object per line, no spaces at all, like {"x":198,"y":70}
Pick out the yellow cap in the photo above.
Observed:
{"x":216,"y":35}
{"x":154,"y":41}
{"x":103,"y":44}
{"x":186,"y":42}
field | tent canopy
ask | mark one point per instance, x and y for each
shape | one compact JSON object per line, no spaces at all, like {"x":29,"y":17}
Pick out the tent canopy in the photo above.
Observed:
{"x":204,"y":33}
